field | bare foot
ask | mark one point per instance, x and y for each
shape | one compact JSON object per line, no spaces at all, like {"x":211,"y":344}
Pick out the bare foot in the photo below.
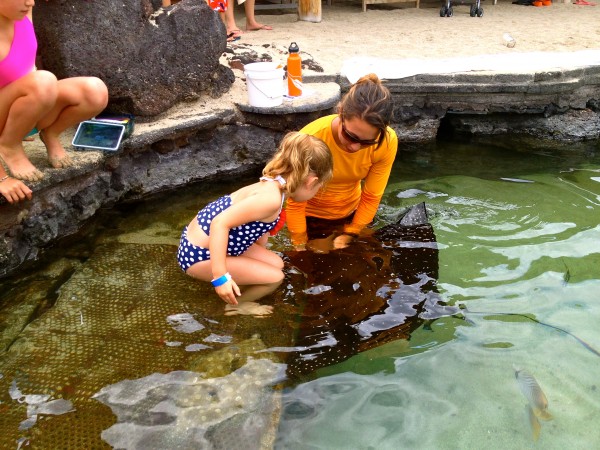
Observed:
{"x":61,"y":163}
{"x":19,"y":165}
{"x":248,"y":309}
{"x":57,"y":156}
{"x":258,"y":26}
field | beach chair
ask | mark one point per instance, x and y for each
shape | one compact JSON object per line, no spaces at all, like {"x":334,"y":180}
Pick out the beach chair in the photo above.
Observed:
{"x":447,"y":11}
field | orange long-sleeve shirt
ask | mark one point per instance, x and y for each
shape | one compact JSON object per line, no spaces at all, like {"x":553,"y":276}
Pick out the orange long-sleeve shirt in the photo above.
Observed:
{"x":344,"y":193}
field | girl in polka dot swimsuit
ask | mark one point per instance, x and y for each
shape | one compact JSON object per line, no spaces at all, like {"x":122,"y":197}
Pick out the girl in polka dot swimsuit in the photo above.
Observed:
{"x":225,"y":242}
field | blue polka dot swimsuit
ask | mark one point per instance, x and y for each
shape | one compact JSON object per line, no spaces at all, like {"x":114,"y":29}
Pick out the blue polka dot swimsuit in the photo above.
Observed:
{"x":240,"y":238}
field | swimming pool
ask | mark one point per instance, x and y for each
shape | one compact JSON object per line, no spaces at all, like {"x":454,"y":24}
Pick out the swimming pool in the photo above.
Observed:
{"x":146,"y":359}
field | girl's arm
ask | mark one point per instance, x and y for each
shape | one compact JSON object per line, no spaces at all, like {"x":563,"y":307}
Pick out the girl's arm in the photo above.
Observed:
{"x":263,"y":240}
{"x":296,"y":222}
{"x":255,"y":207}
{"x":219,"y":235}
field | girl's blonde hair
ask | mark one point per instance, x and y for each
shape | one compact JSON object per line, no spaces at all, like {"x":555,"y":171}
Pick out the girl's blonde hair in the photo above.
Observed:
{"x":369,"y":100}
{"x":298,"y":156}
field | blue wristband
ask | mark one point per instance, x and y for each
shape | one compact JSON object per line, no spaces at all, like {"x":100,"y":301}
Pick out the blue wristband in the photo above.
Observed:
{"x":221,"y":280}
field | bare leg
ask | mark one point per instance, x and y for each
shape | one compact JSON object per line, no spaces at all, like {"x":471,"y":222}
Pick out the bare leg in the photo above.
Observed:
{"x":79,"y":98}
{"x":166,"y":3}
{"x":258,"y":271}
{"x":257,"y":291}
{"x":264,"y":262}
{"x":22,"y":103}
{"x":228,"y":19}
{"x":251,"y":23}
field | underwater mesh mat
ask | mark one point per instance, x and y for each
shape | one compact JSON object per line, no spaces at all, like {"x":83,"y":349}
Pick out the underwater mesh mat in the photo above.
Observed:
{"x":107,"y":325}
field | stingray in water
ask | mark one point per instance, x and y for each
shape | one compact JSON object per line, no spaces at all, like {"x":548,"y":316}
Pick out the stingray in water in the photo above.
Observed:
{"x":378,"y":289}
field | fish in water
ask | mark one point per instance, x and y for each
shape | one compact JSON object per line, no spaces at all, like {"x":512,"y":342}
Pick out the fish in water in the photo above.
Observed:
{"x":533,"y":393}
{"x":377,"y":290}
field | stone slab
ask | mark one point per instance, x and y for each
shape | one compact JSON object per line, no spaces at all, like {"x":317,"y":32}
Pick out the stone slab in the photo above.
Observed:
{"x":316,"y":97}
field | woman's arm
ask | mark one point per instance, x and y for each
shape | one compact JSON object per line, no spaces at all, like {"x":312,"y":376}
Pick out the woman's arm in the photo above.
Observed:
{"x":296,"y":222}
{"x":374,"y":185}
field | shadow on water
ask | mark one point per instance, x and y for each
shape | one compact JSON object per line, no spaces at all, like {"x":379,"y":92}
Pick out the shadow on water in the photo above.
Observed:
{"x":360,"y":345}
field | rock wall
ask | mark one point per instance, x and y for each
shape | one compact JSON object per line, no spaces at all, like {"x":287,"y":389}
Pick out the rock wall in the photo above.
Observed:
{"x":62,"y":208}
{"x":150,"y":60}
{"x":559,"y":105}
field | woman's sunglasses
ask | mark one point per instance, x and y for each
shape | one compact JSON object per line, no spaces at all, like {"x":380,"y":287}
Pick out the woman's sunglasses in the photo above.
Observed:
{"x":355,"y":140}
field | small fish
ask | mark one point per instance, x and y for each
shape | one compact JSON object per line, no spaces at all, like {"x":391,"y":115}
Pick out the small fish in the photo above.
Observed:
{"x":533,"y":393}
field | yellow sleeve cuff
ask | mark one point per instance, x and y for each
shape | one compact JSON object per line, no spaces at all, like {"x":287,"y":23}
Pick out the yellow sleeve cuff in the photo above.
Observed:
{"x":353,"y":228}
{"x":299,"y":238}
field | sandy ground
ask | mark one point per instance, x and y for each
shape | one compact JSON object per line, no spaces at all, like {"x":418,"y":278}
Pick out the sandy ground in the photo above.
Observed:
{"x":402,"y":31}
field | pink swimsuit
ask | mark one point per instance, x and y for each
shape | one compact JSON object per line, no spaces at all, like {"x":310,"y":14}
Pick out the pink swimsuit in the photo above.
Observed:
{"x":21,"y":56}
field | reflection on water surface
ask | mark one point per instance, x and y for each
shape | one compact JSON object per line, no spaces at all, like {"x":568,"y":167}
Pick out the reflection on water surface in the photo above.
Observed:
{"x":147,"y":359}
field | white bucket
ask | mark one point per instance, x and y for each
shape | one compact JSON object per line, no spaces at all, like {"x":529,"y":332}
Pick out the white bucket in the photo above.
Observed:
{"x":265,"y":83}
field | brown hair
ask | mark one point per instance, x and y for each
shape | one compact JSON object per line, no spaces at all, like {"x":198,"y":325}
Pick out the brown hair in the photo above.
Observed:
{"x":298,"y":155}
{"x":371,"y":101}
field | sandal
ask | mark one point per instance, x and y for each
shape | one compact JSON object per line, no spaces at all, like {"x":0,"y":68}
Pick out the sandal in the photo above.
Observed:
{"x":231,"y":37}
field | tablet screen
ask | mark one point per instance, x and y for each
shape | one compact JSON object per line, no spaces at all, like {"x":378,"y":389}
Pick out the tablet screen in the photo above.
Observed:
{"x":105,"y":136}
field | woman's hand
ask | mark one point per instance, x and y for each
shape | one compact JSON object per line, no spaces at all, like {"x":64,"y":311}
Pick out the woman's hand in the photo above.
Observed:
{"x":342,"y":241}
{"x":321,"y":245}
{"x":228,"y":292}
{"x":14,"y":190}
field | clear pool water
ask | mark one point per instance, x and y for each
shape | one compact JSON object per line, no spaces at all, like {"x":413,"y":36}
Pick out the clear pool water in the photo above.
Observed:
{"x":146,"y":358}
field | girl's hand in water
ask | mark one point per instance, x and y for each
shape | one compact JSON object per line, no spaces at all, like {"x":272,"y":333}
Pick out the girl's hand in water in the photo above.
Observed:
{"x":228,"y":292}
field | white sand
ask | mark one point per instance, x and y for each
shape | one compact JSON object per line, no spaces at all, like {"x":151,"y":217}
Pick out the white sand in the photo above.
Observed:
{"x":401,"y":31}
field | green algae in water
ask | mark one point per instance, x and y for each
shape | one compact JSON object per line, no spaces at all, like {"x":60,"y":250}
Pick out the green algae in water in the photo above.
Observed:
{"x":498,"y":345}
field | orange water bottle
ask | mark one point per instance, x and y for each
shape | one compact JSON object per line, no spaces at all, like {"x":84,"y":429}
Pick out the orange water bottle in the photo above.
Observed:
{"x":294,"y":71}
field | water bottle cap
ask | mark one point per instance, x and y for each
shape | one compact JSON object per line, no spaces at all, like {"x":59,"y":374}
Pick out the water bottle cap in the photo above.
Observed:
{"x":294,"y":48}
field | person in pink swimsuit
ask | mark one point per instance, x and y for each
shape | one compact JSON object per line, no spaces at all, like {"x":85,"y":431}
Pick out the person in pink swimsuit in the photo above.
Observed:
{"x":31,"y":98}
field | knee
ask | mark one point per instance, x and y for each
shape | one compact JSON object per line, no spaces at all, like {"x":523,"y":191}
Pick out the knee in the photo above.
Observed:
{"x":96,"y":93}
{"x":278,"y":263}
{"x":280,"y":276}
{"x":43,"y":87}
{"x":275,"y":277}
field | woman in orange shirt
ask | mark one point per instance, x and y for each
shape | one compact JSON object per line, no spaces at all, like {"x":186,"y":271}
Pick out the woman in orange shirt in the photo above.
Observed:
{"x":364,"y":148}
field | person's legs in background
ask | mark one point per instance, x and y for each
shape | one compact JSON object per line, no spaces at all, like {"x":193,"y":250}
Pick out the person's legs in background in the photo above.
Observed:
{"x":228,"y":18}
{"x":251,"y":23}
